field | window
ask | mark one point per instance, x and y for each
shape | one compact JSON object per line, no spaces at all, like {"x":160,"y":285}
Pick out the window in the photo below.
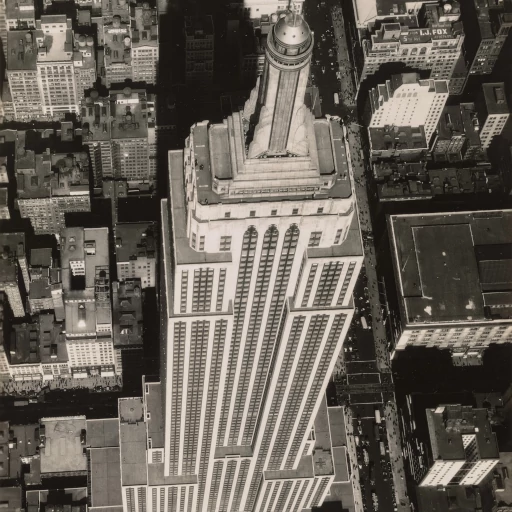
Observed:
{"x":225,"y":243}
{"x":314,"y":239}
{"x":252,"y":213}
{"x":194,"y":238}
{"x":320,"y":210}
{"x":201,"y":243}
{"x":227,"y":215}
{"x":337,"y":238}
{"x":273,"y":212}
{"x":295,"y":211}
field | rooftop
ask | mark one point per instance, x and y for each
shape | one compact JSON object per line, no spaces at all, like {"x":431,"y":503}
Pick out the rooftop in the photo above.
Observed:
{"x":49,"y":175}
{"x":128,"y":109}
{"x":21,"y":9}
{"x":440,"y":281}
{"x":144,"y":24}
{"x":448,"y":423}
{"x":117,"y":42}
{"x":135,"y":240}
{"x":127,"y":304}
{"x":63,"y":451}
{"x":11,"y":496}
{"x":103,"y":433}
{"x":198,"y":27}
{"x":12,"y":246}
{"x":55,"y":39}
{"x":105,"y":477}
{"x":95,"y":114}
{"x":406,"y":101}
{"x":24,"y":443}
{"x":21,"y":50}
{"x":133,"y":441}
{"x":41,"y":257}
{"x":495,"y":98}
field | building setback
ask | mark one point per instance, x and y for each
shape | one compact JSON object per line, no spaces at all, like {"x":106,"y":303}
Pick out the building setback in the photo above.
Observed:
{"x":453,"y":296}
{"x":260,"y":258}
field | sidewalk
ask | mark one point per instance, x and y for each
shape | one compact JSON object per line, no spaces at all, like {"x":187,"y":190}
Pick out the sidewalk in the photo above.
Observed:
{"x":34,"y":387}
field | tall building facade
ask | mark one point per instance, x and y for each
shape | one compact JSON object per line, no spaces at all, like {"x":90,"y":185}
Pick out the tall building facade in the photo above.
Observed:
{"x":13,"y":262}
{"x":494,"y":112}
{"x":261,"y":250}
{"x":405,"y":113}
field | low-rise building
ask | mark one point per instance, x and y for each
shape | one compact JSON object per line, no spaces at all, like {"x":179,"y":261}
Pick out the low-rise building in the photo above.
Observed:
{"x":136,"y":247}
{"x":405,"y":113}
{"x":453,"y":296}
{"x":257,"y":8}
{"x":464,"y":448}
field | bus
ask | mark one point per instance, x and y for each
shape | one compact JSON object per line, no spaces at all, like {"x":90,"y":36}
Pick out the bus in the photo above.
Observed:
{"x":378,"y":418}
{"x":336,"y":98}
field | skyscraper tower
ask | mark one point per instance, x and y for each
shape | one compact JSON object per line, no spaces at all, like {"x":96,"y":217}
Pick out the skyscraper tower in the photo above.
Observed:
{"x":280,"y":129}
{"x":261,"y":250}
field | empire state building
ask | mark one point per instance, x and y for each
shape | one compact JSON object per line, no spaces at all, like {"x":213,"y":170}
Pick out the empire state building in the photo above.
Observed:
{"x":261,"y":250}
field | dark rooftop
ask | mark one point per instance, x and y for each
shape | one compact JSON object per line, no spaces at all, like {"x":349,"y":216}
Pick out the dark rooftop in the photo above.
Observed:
{"x":134,"y":240}
{"x":445,"y":282}
{"x":495,"y":98}
{"x":127,"y":305}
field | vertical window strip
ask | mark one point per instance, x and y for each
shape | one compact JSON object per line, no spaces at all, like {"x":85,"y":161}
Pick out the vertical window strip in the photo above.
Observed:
{"x":309,"y":285}
{"x":328,"y":282}
{"x":184,"y":291}
{"x":346,"y":282}
{"x":239,"y":308}
{"x":220,"y":290}
{"x":282,"y":279}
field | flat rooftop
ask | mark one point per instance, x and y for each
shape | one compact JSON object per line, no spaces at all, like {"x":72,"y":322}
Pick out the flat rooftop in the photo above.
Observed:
{"x":134,"y":240}
{"x":448,"y":423}
{"x":63,"y":452}
{"x":95,"y":111}
{"x":133,"y":441}
{"x":21,"y":50}
{"x":105,"y":477}
{"x":128,"y":110}
{"x":495,"y":98}
{"x":103,"y":433}
{"x":442,"y":281}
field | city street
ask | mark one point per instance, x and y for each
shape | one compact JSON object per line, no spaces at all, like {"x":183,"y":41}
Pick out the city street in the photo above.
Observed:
{"x":364,"y":370}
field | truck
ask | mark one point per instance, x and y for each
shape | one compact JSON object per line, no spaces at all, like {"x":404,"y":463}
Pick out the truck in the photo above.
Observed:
{"x":378,"y":418}
{"x":382,"y":449}
{"x":364,"y":323}
{"x":336,"y":98}
{"x":20,"y":403}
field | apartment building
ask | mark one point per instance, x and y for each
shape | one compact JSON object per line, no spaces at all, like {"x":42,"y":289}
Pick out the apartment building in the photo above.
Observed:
{"x":96,"y":135}
{"x":136,"y":247}
{"x":494,"y":112}
{"x":432,"y":39}
{"x":405,"y":113}
{"x":49,"y":186}
{"x":87,"y":301}
{"x":464,"y":447}
{"x":133,"y":137}
{"x":13,"y":263}
{"x":452,"y":296}
{"x":117,"y":41}
{"x":144,"y":29}
{"x":489,"y":33}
